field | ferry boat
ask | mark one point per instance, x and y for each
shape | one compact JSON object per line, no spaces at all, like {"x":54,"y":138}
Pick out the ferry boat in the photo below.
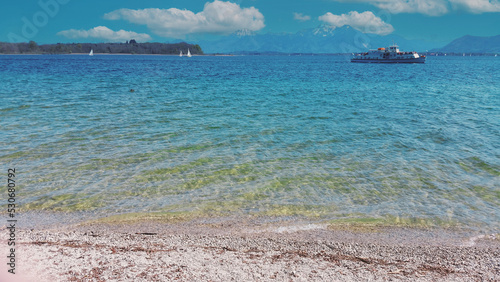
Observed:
{"x":388,"y":55}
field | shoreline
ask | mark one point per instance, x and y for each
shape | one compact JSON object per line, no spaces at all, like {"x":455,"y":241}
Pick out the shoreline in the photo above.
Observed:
{"x":253,"y":249}
{"x":428,"y":54}
{"x":41,"y":219}
{"x":124,"y":54}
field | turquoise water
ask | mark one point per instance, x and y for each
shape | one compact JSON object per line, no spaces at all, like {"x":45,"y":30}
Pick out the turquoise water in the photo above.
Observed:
{"x":271,"y":135}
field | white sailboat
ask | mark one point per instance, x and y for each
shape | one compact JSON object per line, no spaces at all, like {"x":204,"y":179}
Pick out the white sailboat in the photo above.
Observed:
{"x":189,"y":54}
{"x":91,"y":52}
{"x":180,"y":55}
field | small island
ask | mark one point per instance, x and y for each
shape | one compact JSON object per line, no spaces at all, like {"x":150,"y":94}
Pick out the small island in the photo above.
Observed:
{"x":129,"y":47}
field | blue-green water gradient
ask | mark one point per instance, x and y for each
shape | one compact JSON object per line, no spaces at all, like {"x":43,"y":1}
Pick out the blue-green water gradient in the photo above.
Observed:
{"x":312,"y":135}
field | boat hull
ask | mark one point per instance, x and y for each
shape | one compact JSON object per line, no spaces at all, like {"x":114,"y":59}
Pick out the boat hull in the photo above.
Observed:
{"x":420,"y":60}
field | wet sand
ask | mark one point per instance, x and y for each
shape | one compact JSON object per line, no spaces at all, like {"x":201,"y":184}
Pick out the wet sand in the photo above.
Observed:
{"x":252,"y":249}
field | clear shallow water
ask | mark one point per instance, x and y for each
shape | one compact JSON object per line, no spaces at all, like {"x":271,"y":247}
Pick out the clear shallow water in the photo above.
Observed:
{"x":271,"y":135}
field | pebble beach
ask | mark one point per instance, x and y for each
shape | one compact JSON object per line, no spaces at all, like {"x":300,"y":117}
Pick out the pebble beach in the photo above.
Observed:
{"x":242,"y":249}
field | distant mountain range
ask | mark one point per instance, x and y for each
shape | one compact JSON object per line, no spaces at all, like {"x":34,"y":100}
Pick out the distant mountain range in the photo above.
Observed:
{"x":323,"y":39}
{"x":473,"y":44}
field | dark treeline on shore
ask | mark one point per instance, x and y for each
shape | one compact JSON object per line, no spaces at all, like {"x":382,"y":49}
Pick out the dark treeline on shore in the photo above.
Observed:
{"x":131,"y":47}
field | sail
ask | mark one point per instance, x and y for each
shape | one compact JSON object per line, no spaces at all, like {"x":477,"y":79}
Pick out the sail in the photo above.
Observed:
{"x":91,"y":52}
{"x":189,"y":53}
{"x":180,"y":55}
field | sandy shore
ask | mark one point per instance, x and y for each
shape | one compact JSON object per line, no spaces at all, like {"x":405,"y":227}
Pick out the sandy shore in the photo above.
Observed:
{"x":251,"y":250}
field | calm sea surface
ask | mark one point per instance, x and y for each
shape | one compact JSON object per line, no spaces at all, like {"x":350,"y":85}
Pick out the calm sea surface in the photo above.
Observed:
{"x":266,"y":135}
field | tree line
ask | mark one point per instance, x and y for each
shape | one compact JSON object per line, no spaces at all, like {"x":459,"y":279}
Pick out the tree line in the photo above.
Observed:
{"x":130,"y":47}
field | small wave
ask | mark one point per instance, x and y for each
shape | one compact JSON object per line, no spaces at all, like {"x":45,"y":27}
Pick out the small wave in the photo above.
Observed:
{"x":472,"y":241}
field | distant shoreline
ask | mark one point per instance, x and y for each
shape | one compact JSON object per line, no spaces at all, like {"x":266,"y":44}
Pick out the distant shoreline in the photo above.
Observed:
{"x":245,"y":54}
{"x":130,"y":47}
{"x":120,"y":54}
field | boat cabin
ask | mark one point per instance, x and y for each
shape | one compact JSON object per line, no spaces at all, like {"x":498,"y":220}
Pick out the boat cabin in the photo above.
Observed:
{"x":394,"y":48}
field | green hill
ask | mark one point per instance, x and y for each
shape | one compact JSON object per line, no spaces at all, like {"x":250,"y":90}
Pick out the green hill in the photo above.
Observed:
{"x":131,"y":47}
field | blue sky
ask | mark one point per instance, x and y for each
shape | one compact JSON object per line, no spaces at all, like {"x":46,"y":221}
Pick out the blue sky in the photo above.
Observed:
{"x":52,"y":21}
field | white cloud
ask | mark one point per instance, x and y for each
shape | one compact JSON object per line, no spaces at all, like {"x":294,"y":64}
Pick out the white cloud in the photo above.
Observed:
{"x":301,"y":17}
{"x":365,"y":22}
{"x":217,"y":17}
{"x":432,"y":7}
{"x":476,"y":6}
{"x":427,"y":7}
{"x":106,"y":34}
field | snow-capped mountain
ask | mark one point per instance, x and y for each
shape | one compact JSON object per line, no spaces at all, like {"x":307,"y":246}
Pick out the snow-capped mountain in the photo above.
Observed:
{"x":322,"y":39}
